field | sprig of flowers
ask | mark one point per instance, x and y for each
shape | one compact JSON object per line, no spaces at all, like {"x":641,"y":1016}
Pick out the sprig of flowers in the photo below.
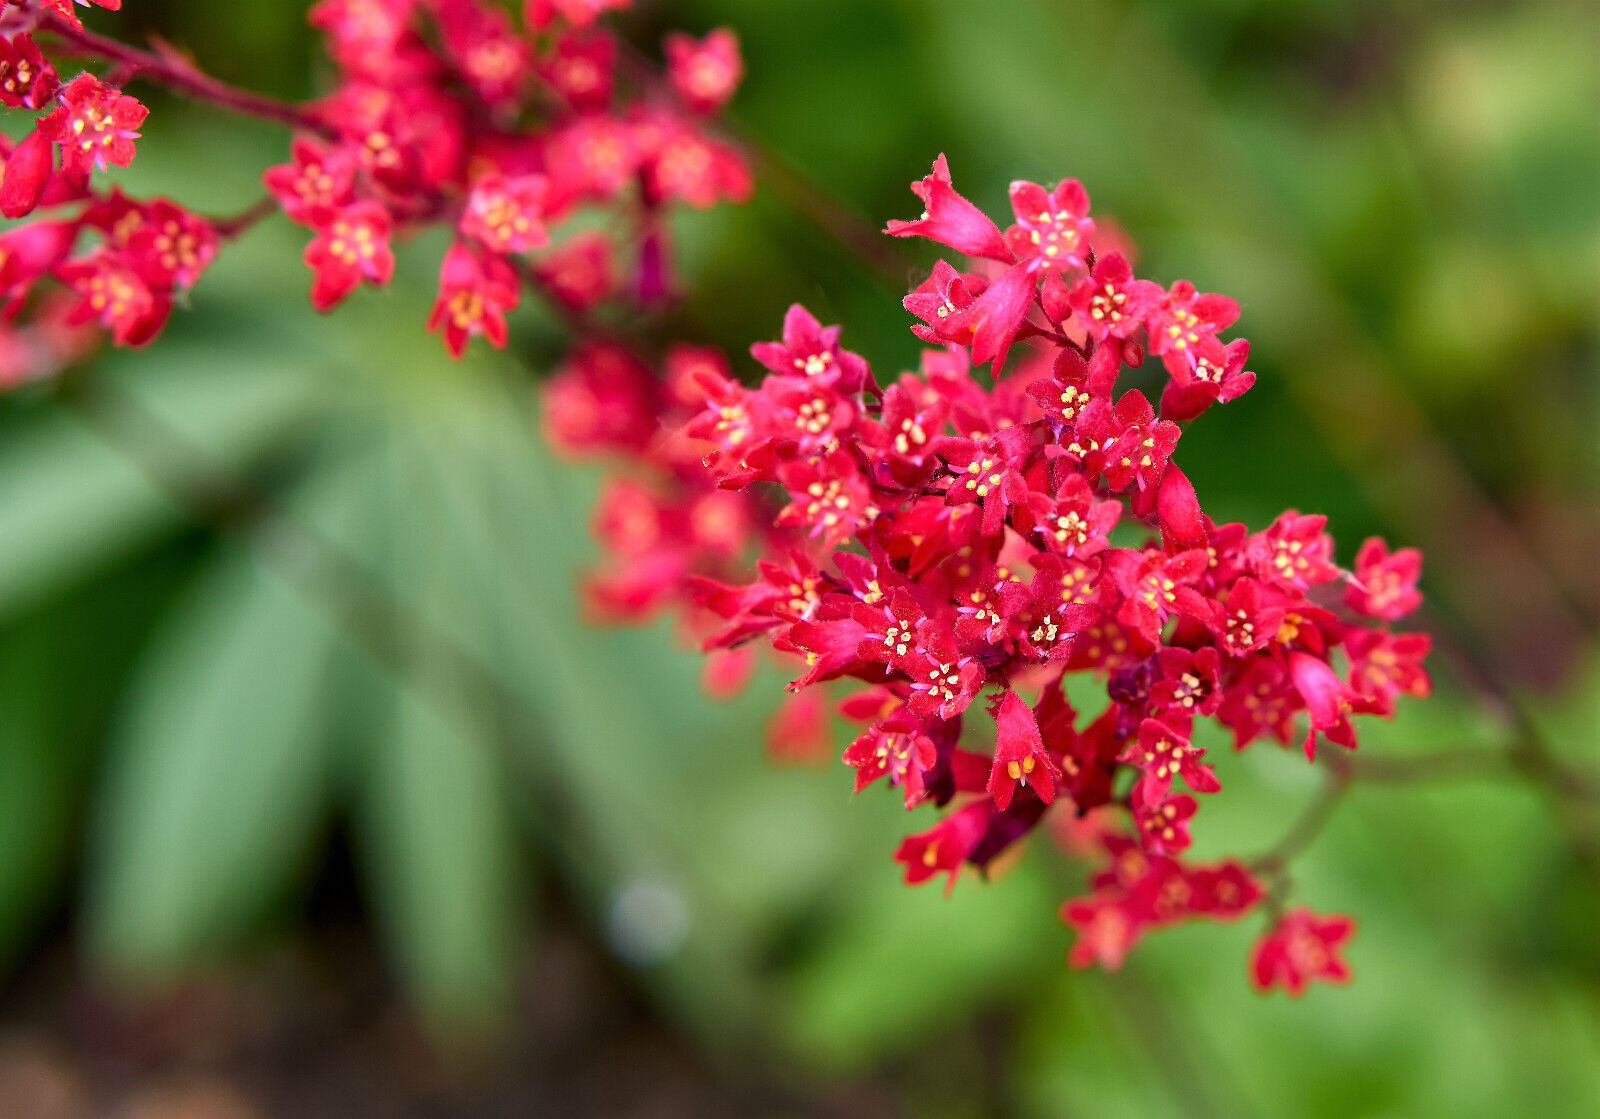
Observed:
{"x":446,"y":112}
{"x":965,"y":541}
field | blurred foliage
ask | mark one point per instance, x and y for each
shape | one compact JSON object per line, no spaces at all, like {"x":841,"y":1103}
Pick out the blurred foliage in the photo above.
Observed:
{"x":1406,"y":199}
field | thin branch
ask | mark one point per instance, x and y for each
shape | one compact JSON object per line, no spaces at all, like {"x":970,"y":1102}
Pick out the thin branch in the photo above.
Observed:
{"x":1465,"y":763}
{"x":165,"y":66}
{"x":1305,"y":830}
{"x":231,"y":227}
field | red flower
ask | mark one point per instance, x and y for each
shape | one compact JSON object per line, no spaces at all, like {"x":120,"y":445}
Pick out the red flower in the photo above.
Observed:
{"x":96,"y":125}
{"x":1301,"y":948}
{"x":1384,"y":665}
{"x":580,"y":68}
{"x":1052,"y":229}
{"x":688,"y":165}
{"x":1135,"y":444}
{"x":475,"y":292}
{"x":811,"y":350}
{"x":1164,"y":824}
{"x":350,"y":246}
{"x":314,"y":184}
{"x":941,"y":302}
{"x":578,"y":273}
{"x":1385,"y":585}
{"x":1328,"y":699}
{"x":115,"y":295}
{"x":951,"y":220}
{"x":1217,"y":375}
{"x":1073,"y":523}
{"x":171,"y":246}
{"x":1019,"y":754}
{"x":1109,"y":302}
{"x":27,"y":79}
{"x":945,"y":846}
{"x":1162,"y":754}
{"x":705,"y":72}
{"x":1294,"y":552}
{"x":503,"y":215}
{"x":1179,"y":323}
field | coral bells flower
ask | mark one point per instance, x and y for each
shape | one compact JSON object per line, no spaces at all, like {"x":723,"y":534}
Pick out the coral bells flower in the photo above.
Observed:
{"x":1301,"y":948}
{"x":951,"y":220}
{"x":27,"y":79}
{"x":96,"y":125}
{"x":443,"y":113}
{"x":116,"y":296}
{"x":352,"y":246}
{"x":1385,"y":584}
{"x":475,"y":292}
{"x":1019,"y":755}
{"x":502,"y":214}
{"x":1053,"y":228}
{"x":967,"y":539}
{"x":705,"y":71}
{"x":64,"y":9}
{"x":315,"y":184}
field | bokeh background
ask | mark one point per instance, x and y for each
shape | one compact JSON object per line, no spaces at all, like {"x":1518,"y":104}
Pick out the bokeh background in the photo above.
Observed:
{"x":262,"y":854}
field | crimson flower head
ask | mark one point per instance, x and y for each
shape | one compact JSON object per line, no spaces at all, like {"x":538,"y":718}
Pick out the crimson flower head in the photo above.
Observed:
{"x":96,"y":125}
{"x":1302,"y":948}
{"x":577,"y":273}
{"x":944,"y":847}
{"x":27,"y":78}
{"x":314,"y":184}
{"x":949,"y":538}
{"x":352,"y":245}
{"x":1385,"y":584}
{"x":63,"y":8}
{"x":1109,"y":302}
{"x":1019,"y":754}
{"x":503,"y":215}
{"x":114,"y":294}
{"x":1053,"y":228}
{"x":812,"y":350}
{"x":951,"y":220}
{"x":1183,"y":320}
{"x":1162,"y":753}
{"x":705,"y":72}
{"x":1328,"y":699}
{"x":171,"y":246}
{"x":475,"y":292}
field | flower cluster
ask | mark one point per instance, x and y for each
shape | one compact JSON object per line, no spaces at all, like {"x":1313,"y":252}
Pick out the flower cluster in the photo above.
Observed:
{"x":446,"y":112}
{"x":661,"y":520}
{"x":969,"y":541}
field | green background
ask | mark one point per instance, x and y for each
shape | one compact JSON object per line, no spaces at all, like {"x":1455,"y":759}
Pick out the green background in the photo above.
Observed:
{"x":198,"y":719}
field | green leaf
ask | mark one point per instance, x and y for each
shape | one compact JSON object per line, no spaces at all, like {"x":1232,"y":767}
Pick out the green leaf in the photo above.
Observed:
{"x":218,"y":780}
{"x":440,"y":852}
{"x":36,"y":791}
{"x":73,"y":494}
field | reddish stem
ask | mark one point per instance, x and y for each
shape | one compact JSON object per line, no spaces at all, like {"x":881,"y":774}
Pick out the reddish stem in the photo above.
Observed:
{"x":168,"y":69}
{"x":229,"y":228}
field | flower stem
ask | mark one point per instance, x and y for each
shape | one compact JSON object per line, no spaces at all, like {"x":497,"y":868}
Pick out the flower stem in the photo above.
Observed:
{"x":164,"y":66}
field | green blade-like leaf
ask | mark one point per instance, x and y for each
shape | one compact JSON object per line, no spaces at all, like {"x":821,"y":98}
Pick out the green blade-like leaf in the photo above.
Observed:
{"x":73,"y":494}
{"x":219,"y":779}
{"x":440,"y":851}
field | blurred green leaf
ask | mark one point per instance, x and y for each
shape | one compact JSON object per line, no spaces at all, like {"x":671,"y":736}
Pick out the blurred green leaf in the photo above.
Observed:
{"x":219,"y":779}
{"x":35,"y":790}
{"x":71,"y":498}
{"x":440,"y":851}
